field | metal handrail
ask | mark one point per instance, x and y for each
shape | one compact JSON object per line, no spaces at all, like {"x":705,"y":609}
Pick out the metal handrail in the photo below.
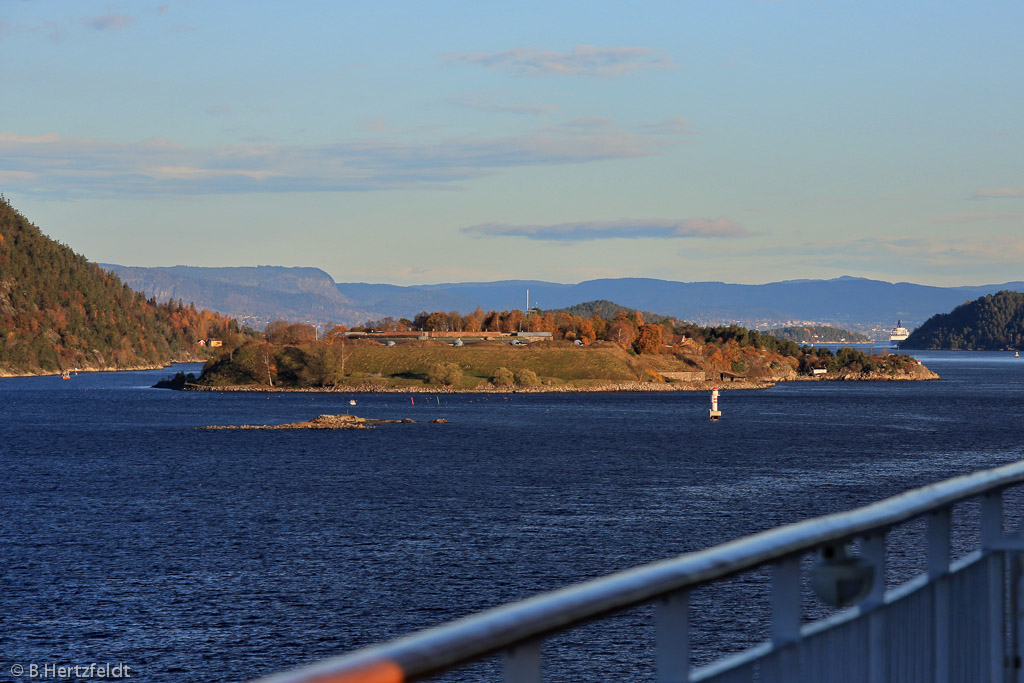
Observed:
{"x":430,"y":651}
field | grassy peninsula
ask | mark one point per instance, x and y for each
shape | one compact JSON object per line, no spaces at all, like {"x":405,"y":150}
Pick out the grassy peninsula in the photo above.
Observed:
{"x":623,"y":353}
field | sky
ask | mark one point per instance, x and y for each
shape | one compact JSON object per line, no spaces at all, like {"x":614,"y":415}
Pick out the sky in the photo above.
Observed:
{"x":743,"y":141}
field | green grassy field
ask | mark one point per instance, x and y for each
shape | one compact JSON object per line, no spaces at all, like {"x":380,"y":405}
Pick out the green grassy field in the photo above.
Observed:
{"x":553,"y":362}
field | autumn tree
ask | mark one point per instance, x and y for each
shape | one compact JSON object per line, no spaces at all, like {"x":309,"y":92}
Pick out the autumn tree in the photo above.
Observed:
{"x":621,"y":332}
{"x":336,"y":335}
{"x":325,"y":365}
{"x":256,"y":359}
{"x":587,"y":334}
{"x":436,"y":322}
{"x":648,"y":339}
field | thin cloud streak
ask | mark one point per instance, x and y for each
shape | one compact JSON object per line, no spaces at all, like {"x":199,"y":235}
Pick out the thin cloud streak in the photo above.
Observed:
{"x":107,"y":22}
{"x":999,"y":193}
{"x":484,"y":103}
{"x":583,"y":60}
{"x":620,"y":229}
{"x":82,"y":165}
{"x":911,"y":251}
{"x":979,"y":217}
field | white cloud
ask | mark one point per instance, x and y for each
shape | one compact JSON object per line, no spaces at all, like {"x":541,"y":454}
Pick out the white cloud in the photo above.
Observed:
{"x":583,"y":60}
{"x":62,"y":165}
{"x":620,"y":229}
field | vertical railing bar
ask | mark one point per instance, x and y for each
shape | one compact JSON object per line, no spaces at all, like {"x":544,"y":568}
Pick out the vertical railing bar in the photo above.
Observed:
{"x":786,"y":601}
{"x":784,"y":665}
{"x":521,"y":664}
{"x":873,"y":550}
{"x":991,"y":532}
{"x":939,"y":524}
{"x":672,"y":638}
{"x":991,"y":519}
{"x":1017,"y":588}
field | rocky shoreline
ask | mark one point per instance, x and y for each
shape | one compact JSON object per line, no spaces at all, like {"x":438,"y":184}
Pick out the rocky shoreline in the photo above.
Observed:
{"x":130,"y":368}
{"x":919,"y":374}
{"x":371,"y":388}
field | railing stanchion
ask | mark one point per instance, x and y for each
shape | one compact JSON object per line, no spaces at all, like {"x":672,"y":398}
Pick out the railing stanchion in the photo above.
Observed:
{"x":672,"y":638}
{"x":1016,"y":559}
{"x":939,"y":524}
{"x":873,"y":550}
{"x":521,"y":664}
{"x":991,"y":533}
{"x":785,"y":621}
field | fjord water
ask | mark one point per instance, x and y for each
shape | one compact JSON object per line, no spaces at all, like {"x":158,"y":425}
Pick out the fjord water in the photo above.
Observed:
{"x":128,"y":535}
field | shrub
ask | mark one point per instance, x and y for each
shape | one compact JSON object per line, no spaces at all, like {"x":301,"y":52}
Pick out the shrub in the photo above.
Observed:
{"x":503,"y":377}
{"x":444,"y":373}
{"x":526,"y":378}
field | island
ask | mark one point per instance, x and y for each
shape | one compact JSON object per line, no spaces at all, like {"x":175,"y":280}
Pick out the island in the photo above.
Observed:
{"x":513,"y":351}
{"x":329,"y":422}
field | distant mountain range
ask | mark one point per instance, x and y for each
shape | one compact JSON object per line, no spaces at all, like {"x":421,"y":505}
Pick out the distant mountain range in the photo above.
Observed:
{"x":264,"y":293}
{"x":255,"y":295}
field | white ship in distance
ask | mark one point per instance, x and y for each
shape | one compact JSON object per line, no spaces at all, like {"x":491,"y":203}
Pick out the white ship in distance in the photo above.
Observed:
{"x":898,"y":333}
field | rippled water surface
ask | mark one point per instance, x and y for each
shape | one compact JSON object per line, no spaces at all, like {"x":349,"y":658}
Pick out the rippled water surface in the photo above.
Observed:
{"x":128,"y":535}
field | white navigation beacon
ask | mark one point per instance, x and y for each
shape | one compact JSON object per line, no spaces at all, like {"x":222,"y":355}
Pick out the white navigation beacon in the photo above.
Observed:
{"x":715,"y":412}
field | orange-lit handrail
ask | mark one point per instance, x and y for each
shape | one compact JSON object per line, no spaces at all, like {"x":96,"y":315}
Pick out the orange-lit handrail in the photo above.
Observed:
{"x":431,"y":651}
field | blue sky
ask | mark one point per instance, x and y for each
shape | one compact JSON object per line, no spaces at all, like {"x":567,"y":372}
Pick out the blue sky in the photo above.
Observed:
{"x":412,"y":142}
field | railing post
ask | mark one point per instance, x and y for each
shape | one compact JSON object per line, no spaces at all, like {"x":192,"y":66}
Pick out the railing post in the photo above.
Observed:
{"x":939,"y":523}
{"x":873,"y":551}
{"x":1017,"y":616}
{"x":521,"y":664}
{"x":784,"y":667}
{"x":995,"y":561}
{"x":672,"y":638}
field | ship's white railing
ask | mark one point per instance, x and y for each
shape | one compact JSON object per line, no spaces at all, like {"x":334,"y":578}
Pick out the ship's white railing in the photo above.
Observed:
{"x":959,"y":621}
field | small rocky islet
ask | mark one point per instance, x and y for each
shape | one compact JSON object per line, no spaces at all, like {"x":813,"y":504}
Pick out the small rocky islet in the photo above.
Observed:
{"x":329,"y":422}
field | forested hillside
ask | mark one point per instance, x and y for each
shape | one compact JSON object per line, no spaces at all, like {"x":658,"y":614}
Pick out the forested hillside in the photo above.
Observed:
{"x":991,"y":323}
{"x":59,"y":311}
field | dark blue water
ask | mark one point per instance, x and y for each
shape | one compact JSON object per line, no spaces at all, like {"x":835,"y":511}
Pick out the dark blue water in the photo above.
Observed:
{"x":127,"y":535}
